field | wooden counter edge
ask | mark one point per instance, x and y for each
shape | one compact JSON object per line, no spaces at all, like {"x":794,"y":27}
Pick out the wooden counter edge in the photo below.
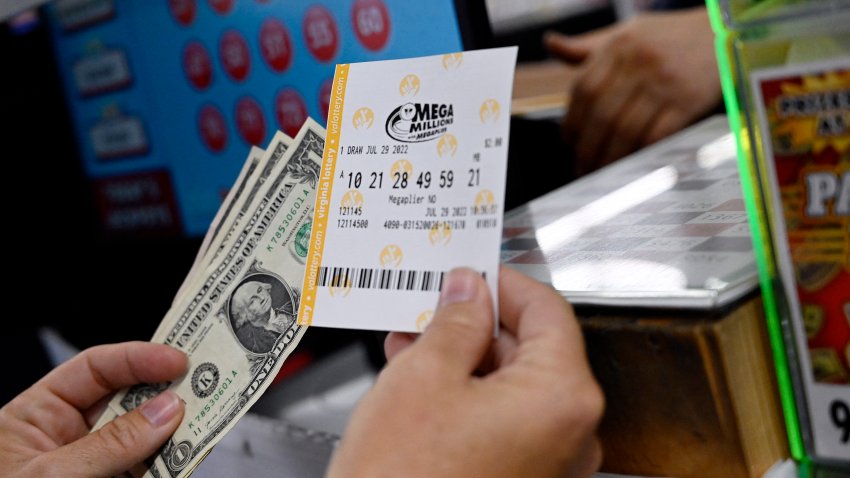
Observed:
{"x":686,"y":396}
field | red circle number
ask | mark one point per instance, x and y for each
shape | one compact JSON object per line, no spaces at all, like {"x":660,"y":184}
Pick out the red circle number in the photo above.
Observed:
{"x":371,"y":23}
{"x":325,"y":97}
{"x":320,"y":33}
{"x":250,"y":121}
{"x":221,"y":6}
{"x":183,"y":11}
{"x":197,"y":65}
{"x":276,"y":45}
{"x":213,"y":128}
{"x":290,"y":110}
{"x":234,"y":54}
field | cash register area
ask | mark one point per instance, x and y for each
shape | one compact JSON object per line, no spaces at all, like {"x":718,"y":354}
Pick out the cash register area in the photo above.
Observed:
{"x":645,"y":248}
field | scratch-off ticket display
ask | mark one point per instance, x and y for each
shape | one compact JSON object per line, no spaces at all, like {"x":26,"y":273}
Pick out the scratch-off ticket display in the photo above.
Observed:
{"x":804,"y":115}
{"x":412,"y":185}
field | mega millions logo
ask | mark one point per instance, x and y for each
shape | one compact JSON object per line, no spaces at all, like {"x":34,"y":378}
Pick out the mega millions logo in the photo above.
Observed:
{"x":419,"y":122}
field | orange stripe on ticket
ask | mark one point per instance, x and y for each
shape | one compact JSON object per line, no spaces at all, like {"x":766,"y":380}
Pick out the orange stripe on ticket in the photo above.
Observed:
{"x":323,"y":196}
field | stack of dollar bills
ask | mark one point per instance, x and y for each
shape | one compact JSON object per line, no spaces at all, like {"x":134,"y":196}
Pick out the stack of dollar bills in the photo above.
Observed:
{"x":235,"y":313}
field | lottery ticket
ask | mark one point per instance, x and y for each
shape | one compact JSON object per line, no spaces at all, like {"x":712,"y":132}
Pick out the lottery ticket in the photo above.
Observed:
{"x":412,"y":185}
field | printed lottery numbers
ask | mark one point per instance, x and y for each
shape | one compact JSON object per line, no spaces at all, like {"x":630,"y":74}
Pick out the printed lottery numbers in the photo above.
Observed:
{"x":443,"y":179}
{"x":375,"y":181}
{"x":474,"y":177}
{"x":424,"y":180}
{"x":447,"y":178}
{"x":839,"y":412}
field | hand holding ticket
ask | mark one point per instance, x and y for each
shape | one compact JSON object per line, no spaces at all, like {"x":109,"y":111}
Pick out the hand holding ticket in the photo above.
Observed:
{"x":412,"y":185}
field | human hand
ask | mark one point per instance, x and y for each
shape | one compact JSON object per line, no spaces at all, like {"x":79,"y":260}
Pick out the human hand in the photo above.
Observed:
{"x":457,"y":403}
{"x":638,"y":82}
{"x":44,"y":431}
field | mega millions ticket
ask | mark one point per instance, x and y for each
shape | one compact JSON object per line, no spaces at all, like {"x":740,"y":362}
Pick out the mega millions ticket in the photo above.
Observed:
{"x":412,"y":185}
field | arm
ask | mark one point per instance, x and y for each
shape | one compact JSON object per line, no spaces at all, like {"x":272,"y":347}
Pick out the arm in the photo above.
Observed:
{"x":638,"y":82}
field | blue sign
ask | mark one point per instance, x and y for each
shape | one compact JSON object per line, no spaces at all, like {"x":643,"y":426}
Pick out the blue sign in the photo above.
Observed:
{"x":168,"y":96}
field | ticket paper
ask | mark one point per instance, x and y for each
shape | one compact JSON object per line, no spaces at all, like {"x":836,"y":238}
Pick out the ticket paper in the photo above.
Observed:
{"x":412,"y":185}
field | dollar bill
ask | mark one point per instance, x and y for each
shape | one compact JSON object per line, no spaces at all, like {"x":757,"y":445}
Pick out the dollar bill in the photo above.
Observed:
{"x":239,"y":208}
{"x":271,"y":162}
{"x":236,"y":244}
{"x":223,"y":217}
{"x":237,"y":325}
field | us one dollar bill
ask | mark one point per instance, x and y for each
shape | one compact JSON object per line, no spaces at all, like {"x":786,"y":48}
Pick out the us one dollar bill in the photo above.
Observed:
{"x":235,"y":207}
{"x":224,"y":216}
{"x":238,"y":243}
{"x":269,"y":164}
{"x":236,"y":321}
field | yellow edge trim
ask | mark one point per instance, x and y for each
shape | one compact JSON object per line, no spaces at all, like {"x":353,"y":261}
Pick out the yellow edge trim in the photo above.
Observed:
{"x":323,"y":195}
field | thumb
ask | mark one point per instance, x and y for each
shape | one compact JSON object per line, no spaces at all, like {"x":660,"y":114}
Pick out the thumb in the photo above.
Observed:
{"x":126,"y":441}
{"x":571,"y":49}
{"x":462,"y":328}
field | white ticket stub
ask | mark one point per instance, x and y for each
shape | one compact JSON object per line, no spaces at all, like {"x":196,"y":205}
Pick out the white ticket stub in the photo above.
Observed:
{"x":412,"y":185}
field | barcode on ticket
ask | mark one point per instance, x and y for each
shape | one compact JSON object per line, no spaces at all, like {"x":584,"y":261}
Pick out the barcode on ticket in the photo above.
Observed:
{"x":387,"y":279}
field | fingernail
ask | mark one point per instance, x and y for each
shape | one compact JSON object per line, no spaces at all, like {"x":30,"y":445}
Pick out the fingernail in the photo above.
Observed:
{"x":459,"y":286}
{"x":161,"y":409}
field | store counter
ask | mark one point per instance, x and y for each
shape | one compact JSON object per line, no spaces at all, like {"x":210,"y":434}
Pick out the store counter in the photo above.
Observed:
{"x":655,"y":253}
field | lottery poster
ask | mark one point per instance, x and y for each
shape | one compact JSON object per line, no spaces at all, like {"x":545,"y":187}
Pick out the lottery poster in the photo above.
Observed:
{"x":804,"y":115}
{"x":168,"y":96}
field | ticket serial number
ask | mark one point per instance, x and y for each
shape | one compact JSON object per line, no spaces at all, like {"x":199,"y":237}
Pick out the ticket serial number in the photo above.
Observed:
{"x":420,"y":224}
{"x":352,"y":223}
{"x":350,"y":210}
{"x":423,"y":224}
{"x":443,"y":179}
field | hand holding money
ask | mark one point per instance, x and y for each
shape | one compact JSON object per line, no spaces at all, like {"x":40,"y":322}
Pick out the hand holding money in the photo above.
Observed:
{"x":235,"y":316}
{"x":452,"y":403}
{"x":456,"y":403}
{"x":238,"y":314}
{"x":45,"y":430}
